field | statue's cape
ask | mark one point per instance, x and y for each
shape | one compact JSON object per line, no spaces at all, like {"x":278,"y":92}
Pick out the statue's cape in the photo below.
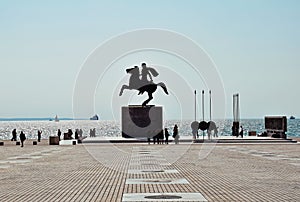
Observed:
{"x":153,"y":71}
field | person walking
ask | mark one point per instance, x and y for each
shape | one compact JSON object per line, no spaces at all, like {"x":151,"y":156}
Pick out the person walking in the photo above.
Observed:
{"x":22,"y":138}
{"x":175,"y":134}
{"x":14,"y":135}
{"x":167,"y":136}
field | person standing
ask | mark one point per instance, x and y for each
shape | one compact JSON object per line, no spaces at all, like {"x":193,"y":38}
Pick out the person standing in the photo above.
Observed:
{"x":58,"y":134}
{"x":94,"y":132}
{"x":91,"y":132}
{"x":70,"y":133}
{"x":167,"y":136}
{"x":76,"y":134}
{"x":175,"y":134}
{"x":22,"y":138}
{"x":241,"y":132}
{"x":80,"y":133}
{"x":39,"y":135}
{"x":14,"y":135}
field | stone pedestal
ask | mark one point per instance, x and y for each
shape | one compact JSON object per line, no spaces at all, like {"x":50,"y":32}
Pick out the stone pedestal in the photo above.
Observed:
{"x":53,"y":140}
{"x":141,"y":121}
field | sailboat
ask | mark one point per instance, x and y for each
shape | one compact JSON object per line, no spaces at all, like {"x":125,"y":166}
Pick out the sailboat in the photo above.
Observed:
{"x":56,"y":119}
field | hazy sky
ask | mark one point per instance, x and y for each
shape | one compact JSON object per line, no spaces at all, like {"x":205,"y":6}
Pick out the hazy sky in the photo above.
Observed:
{"x":254,"y":44}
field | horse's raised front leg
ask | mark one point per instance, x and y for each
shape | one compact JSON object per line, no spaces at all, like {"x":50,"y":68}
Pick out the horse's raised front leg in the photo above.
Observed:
{"x":123,"y":88}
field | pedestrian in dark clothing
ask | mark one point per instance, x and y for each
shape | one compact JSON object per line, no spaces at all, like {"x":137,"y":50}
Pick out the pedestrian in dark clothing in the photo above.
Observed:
{"x":22,"y":138}
{"x":58,"y":134}
{"x":167,"y":136}
{"x":70,"y":133}
{"x":76,"y":134}
{"x":39,"y":135}
{"x":241,"y":132}
{"x":175,"y":134}
{"x":14,"y":135}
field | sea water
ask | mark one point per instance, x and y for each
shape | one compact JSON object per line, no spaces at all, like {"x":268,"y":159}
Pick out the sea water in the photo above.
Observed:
{"x":113,"y":128}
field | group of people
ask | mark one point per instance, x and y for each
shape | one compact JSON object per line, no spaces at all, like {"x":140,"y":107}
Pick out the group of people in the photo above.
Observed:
{"x":22,"y":137}
{"x":93,"y":132}
{"x":163,"y":137}
{"x":68,"y":135}
{"x":78,"y":134}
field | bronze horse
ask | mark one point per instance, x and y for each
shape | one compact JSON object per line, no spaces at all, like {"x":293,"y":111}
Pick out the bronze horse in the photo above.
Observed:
{"x":135,"y":83}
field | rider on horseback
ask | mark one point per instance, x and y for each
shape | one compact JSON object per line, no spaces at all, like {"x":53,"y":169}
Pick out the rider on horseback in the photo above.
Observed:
{"x":143,"y":84}
{"x":147,"y":71}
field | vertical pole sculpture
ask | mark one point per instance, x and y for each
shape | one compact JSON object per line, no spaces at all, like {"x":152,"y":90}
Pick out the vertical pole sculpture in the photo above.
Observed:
{"x":195,"y":105}
{"x":203,"y":111}
{"x":210,"y":105}
{"x":236,"y":114}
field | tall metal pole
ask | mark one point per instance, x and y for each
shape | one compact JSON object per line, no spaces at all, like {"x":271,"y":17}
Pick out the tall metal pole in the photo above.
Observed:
{"x":195,"y":105}
{"x":238,"y":107}
{"x":210,"y":105}
{"x":202,"y":105}
{"x":203,"y":111}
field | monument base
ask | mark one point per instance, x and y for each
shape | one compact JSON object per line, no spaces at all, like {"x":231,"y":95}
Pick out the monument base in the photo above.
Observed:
{"x":141,"y":121}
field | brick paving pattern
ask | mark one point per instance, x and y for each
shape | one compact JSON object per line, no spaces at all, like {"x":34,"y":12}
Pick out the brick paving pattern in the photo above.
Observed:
{"x":98,"y":172}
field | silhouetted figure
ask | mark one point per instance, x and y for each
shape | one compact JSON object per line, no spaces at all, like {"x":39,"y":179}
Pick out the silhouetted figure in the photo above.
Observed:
{"x":147,"y":71}
{"x":22,"y":138}
{"x":94,"y":132}
{"x":70,"y":133}
{"x":39,"y":135}
{"x":241,"y":132}
{"x":14,"y":135}
{"x":58,"y":134}
{"x":167,"y":136}
{"x":156,"y":139}
{"x":80,"y":133}
{"x":161,"y":137}
{"x":76,"y":134}
{"x":142,"y":85}
{"x":264,"y":134}
{"x":175,"y":134}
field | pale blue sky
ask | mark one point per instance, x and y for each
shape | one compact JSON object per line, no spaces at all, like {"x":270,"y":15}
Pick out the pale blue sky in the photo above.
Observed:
{"x":254,"y":44}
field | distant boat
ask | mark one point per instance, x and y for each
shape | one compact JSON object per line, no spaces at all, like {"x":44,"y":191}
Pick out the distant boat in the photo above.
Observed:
{"x":95,"y":117}
{"x":56,"y":119}
{"x":292,"y":117}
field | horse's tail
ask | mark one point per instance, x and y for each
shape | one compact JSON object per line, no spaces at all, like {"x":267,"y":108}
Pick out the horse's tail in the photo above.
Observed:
{"x":164,"y":87}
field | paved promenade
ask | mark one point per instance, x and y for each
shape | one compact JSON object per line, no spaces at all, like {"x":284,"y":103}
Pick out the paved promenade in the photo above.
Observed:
{"x":142,"y":172}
